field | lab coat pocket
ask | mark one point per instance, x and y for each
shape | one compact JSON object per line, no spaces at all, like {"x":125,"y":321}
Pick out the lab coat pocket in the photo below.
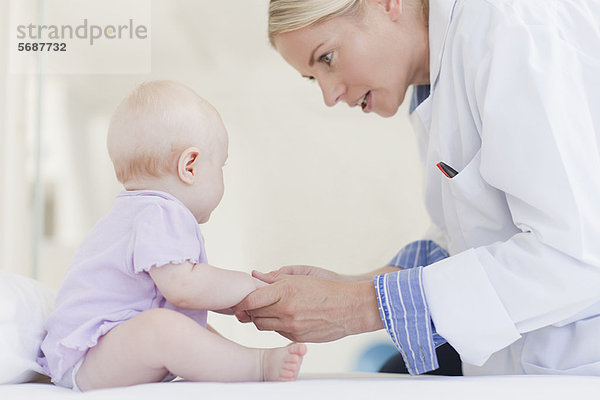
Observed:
{"x":568,"y":350}
{"x":481,"y":210}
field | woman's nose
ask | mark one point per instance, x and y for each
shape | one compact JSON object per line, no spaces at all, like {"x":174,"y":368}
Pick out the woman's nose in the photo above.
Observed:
{"x":332,"y":92}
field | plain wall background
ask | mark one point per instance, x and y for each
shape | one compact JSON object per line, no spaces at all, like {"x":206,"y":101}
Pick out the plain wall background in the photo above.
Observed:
{"x":305,"y":184}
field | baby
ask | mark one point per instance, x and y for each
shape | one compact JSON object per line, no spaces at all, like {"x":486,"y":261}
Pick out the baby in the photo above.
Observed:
{"x":132,"y":307}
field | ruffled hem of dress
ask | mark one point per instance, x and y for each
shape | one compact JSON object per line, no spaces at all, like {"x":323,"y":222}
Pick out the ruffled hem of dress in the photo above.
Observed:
{"x":93,"y":340}
{"x":76,"y":351}
{"x":159,"y":264}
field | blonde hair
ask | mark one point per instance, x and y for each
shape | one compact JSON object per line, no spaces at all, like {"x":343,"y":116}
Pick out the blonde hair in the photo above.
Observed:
{"x":290,"y":15}
{"x":153,"y":125}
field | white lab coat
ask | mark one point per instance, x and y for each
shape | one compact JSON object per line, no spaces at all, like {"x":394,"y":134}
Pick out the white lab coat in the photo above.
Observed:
{"x":515,"y":108}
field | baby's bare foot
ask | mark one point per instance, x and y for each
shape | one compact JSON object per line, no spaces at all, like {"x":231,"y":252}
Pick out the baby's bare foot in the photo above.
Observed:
{"x":283,"y":363}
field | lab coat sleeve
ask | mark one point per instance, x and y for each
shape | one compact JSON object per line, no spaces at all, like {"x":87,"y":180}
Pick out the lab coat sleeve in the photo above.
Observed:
{"x":535,"y":97}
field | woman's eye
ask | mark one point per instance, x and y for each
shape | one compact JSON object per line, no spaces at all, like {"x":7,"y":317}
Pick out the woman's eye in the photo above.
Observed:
{"x":326,"y":58}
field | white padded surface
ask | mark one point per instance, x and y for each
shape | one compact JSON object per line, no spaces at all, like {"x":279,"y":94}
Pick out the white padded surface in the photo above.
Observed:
{"x":362,"y":386}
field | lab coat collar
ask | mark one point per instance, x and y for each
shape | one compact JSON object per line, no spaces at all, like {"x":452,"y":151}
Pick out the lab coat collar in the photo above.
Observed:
{"x":440,"y":15}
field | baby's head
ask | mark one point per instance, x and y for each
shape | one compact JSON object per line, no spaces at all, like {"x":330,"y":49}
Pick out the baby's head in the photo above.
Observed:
{"x":163,"y":136}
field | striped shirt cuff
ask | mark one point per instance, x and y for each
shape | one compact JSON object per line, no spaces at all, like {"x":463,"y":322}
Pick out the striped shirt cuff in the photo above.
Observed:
{"x":403,"y":307}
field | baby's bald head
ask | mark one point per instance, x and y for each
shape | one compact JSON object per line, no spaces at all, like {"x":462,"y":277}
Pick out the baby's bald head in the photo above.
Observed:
{"x":154,"y":124}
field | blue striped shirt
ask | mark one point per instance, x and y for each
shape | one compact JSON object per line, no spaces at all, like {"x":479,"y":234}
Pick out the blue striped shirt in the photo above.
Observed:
{"x":420,"y":93}
{"x":403,"y":306}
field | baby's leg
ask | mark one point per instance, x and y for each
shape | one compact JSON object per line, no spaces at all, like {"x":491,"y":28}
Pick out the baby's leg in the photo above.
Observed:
{"x":155,"y":342}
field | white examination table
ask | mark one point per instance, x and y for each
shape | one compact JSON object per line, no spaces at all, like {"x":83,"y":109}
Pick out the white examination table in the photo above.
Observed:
{"x":338,"y":387}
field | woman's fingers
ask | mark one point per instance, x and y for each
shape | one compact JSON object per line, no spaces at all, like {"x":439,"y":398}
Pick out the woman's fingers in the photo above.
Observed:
{"x":268,"y":324}
{"x":243,"y":316}
{"x":281,"y":273}
{"x":261,"y":297}
{"x":269,"y":277}
{"x":296,"y":270}
{"x":260,"y":300}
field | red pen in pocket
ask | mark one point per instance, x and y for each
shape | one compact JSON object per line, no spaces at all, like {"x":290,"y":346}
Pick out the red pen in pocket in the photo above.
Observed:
{"x":446,"y":169}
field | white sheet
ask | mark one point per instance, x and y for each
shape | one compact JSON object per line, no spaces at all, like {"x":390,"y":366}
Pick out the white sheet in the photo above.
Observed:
{"x":363,"y":387}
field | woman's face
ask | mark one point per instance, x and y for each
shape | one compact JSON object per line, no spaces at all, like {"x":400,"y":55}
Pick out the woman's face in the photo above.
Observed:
{"x":367,"y":60}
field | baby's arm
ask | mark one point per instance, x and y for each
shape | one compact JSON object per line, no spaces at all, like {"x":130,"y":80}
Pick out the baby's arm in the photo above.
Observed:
{"x":202,"y":286}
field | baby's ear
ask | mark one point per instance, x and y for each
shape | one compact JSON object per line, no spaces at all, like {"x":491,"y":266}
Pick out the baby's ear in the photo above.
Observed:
{"x":187,"y":166}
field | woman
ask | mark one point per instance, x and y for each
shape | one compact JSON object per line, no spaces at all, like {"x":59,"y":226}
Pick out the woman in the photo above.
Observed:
{"x":506,"y":95}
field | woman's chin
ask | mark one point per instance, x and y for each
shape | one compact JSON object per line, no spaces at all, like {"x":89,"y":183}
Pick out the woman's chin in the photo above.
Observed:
{"x":387,"y":113}
{"x":387,"y":110}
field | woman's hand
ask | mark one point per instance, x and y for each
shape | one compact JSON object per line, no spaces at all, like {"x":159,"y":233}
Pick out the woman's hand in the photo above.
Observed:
{"x":307,"y":270}
{"x":308,"y":308}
